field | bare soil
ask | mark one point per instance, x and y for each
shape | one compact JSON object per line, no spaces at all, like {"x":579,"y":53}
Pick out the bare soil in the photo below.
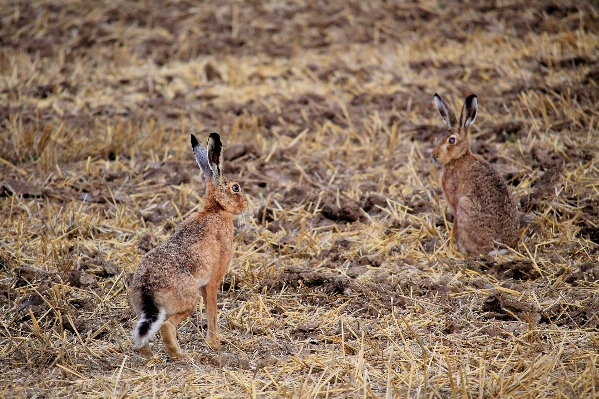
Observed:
{"x":345,"y":282}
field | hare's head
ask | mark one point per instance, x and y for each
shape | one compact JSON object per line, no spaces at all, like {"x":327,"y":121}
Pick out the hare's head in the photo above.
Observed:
{"x":221,"y":192}
{"x":454,"y":143}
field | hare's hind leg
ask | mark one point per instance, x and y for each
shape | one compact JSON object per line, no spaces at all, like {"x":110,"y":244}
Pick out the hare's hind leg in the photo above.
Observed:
{"x":145,"y":350}
{"x":209,"y":293}
{"x":465,"y":234}
{"x":169,"y":334}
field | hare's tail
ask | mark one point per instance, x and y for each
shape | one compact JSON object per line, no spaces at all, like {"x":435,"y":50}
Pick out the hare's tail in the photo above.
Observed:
{"x":150,"y":320}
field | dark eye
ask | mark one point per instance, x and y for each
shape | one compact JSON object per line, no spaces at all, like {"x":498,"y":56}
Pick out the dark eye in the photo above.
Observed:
{"x":235,"y":188}
{"x":451,"y":140}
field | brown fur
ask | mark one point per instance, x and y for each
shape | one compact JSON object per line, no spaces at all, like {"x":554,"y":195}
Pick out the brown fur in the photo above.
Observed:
{"x":485,"y":217}
{"x":190,"y":264}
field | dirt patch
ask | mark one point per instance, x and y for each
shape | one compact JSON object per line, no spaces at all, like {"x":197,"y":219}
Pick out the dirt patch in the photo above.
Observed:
{"x":160,"y":213}
{"x":324,"y":282}
{"x":26,"y":275}
{"x":430,"y":245}
{"x":371,"y":260}
{"x":243,"y":150}
{"x":93,"y":262}
{"x":236,"y":155}
{"x":590,"y":233}
{"x":7,"y":293}
{"x":83,"y":304}
{"x":298,"y":195}
{"x":170,"y":173}
{"x":509,"y":131}
{"x":18,"y":187}
{"x":516,"y":269}
{"x":87,"y":276}
{"x":589,"y":220}
{"x":348,"y":212}
{"x":336,"y":253}
{"x":265,"y":215}
{"x":587,"y":272}
{"x":381,"y":101}
{"x":577,"y":317}
{"x":339,"y":208}
{"x":360,"y":295}
{"x":79,"y":278}
{"x":330,"y":147}
{"x":374,"y":204}
{"x":147,"y":243}
{"x":417,"y":205}
{"x":500,"y":307}
{"x":427,"y":133}
{"x":32,"y":303}
{"x":550,"y":165}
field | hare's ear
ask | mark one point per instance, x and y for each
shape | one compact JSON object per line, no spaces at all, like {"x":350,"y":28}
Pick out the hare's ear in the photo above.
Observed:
{"x":469,"y":111}
{"x":445,"y":111}
{"x":215,"y":155}
{"x":201,"y":157}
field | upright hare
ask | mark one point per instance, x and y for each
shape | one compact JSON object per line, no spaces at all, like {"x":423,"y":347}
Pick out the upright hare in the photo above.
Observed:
{"x":166,"y":287}
{"x":485,"y":217}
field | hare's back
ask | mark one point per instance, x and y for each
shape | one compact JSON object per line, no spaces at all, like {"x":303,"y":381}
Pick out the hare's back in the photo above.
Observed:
{"x":489,"y":182}
{"x":191,"y":253}
{"x":163,"y":265}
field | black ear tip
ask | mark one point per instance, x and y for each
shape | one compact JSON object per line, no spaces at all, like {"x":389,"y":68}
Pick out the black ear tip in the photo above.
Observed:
{"x":471,"y":98}
{"x":215,"y":137}
{"x":194,"y":141}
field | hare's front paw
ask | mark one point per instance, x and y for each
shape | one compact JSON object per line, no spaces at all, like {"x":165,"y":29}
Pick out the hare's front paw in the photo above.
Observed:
{"x":179,"y":355}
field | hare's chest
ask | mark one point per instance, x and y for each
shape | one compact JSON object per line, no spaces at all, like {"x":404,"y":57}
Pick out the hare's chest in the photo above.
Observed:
{"x":450,"y":185}
{"x":227,"y":252}
{"x":203,"y":281}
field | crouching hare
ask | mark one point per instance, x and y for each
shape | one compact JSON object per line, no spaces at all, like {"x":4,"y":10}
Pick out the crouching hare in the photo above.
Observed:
{"x":485,"y":216}
{"x":167,"y":285}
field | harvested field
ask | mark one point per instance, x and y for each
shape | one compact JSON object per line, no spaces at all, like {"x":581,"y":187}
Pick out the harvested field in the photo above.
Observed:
{"x":344,"y":283}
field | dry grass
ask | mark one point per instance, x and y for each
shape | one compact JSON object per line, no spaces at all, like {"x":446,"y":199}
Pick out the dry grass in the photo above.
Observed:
{"x":345,"y":283}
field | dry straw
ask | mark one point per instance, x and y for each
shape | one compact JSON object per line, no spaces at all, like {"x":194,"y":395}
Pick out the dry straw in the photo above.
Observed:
{"x":345,"y":282}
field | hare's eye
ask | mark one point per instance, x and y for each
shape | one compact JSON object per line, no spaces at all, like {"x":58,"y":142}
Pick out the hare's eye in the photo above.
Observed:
{"x":451,"y":140}
{"x":235,"y":188}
